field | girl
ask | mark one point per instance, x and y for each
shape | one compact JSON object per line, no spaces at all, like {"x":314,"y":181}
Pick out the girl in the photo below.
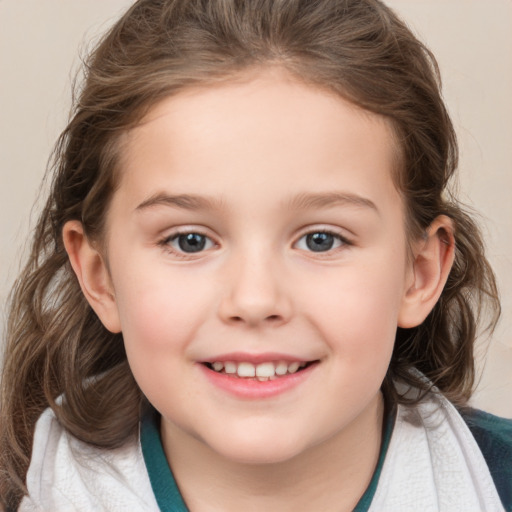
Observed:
{"x":249,"y":288}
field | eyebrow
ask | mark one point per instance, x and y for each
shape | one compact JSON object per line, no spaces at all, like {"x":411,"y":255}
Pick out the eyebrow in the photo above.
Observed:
{"x":185,"y":201}
{"x":326,"y":199}
{"x":301,"y":201}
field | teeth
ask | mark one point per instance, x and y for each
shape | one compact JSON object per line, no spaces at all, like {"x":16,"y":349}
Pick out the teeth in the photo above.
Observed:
{"x":246,"y":370}
{"x":293,"y":367}
{"x":229,"y":367}
{"x":265,"y":370}
{"x":281,"y":368}
{"x":262,"y":372}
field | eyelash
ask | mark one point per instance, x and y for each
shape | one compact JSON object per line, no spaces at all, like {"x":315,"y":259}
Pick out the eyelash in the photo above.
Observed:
{"x":166,"y":242}
{"x":343,"y":242}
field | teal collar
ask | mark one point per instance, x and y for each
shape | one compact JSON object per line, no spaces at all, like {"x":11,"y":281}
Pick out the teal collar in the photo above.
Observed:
{"x":366,"y":499}
{"x":167,"y":493}
{"x":162,"y":481}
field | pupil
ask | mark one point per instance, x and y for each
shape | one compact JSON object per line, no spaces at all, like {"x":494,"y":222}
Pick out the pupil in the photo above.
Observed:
{"x":319,"y":241}
{"x":191,"y":242}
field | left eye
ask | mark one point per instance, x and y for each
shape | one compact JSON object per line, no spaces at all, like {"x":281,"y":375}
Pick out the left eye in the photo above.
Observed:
{"x":190,"y":242}
{"x":320,"y":241}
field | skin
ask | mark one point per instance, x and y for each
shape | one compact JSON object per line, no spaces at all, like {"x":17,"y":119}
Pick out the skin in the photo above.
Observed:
{"x":253,"y":149}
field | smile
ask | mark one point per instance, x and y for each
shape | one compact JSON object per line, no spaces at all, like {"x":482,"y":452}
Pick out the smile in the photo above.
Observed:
{"x":257,"y":377}
{"x":269,"y":370}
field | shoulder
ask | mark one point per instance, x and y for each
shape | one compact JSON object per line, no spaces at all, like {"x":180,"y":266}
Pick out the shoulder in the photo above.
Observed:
{"x":68,"y":474}
{"x":435,"y":453}
{"x":494,"y":438}
{"x":491,"y":430}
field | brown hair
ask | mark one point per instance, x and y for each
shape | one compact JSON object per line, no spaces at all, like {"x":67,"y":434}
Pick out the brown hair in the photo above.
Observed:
{"x":357,"y":48}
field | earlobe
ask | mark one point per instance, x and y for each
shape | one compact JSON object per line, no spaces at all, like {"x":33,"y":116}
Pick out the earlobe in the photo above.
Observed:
{"x":432,"y":262}
{"x":92,"y":273}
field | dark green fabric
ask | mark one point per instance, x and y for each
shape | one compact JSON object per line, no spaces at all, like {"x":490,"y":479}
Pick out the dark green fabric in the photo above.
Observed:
{"x":167,"y":493}
{"x":494,"y":437}
{"x":366,"y":499}
{"x":164,"y":486}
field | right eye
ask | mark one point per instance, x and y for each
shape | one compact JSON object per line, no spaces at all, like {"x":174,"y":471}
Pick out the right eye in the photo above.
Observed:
{"x":189,"y":242}
{"x":321,"y":241}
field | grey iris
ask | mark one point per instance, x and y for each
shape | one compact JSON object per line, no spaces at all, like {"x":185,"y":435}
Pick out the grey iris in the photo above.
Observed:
{"x":319,"y":241}
{"x":191,"y":242}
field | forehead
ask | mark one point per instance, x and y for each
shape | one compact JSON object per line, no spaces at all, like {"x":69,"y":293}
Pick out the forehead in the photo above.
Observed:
{"x":267,"y":130}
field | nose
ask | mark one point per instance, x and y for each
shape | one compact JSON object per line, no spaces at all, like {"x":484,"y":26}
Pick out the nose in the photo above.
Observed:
{"x":255,"y":292}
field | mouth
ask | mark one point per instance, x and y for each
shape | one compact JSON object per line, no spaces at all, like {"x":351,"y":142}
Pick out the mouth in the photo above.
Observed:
{"x":265,"y":371}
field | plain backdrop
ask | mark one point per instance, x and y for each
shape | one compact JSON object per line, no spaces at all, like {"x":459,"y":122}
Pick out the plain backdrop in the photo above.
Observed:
{"x":40,"y":42}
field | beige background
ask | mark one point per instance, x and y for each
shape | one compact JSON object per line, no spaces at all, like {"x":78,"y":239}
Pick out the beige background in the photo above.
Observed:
{"x":472,"y":39}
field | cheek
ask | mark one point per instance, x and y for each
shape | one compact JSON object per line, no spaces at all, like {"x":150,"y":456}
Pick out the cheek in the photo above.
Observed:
{"x":160,"y":317}
{"x":358,"y":313}
{"x":160,"y":309}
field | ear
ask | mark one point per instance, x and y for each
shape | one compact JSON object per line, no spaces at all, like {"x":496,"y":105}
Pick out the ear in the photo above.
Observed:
{"x":433,"y":257}
{"x":92,"y":273}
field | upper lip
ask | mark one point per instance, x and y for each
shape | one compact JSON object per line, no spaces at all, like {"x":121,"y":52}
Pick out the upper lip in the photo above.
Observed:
{"x":244,"y":357}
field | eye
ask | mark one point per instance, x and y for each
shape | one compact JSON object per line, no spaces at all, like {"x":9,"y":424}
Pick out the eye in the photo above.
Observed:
{"x":189,"y":242}
{"x":320,"y":241}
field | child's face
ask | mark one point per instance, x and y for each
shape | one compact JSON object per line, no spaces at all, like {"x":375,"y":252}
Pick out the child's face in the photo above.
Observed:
{"x":296,"y":253}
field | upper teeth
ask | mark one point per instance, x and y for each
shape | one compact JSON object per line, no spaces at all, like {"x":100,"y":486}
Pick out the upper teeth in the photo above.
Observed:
{"x":267,"y":370}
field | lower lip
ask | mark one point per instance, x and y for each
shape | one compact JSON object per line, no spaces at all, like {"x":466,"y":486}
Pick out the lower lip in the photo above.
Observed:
{"x":255,"y":389}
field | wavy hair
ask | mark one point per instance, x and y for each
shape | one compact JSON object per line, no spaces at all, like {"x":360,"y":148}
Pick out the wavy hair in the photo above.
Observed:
{"x":358,"y":49}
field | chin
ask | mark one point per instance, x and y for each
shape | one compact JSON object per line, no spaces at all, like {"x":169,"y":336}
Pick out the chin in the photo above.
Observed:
{"x":258,"y":449}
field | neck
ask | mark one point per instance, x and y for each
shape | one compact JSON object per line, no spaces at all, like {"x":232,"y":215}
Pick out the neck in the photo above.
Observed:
{"x":330,"y":476}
